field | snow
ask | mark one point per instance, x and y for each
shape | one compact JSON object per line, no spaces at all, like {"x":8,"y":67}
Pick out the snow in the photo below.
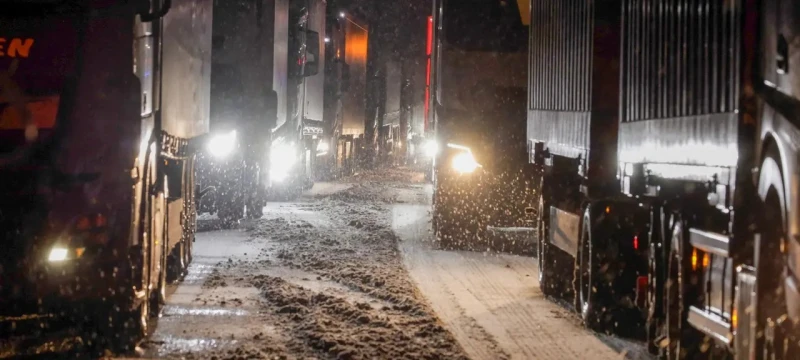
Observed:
{"x":350,"y":271}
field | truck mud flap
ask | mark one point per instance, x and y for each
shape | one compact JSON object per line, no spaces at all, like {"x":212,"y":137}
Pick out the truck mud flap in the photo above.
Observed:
{"x":564,"y":230}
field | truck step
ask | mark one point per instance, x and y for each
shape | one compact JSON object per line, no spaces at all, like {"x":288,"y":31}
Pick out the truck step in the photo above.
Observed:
{"x":711,"y":242}
{"x":711,"y":324}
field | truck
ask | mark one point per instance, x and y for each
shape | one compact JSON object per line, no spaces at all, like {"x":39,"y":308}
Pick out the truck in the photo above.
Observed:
{"x":667,"y":135}
{"x":480,"y":170}
{"x":299,"y":127}
{"x":422,"y":147}
{"x":345,"y":94}
{"x":243,"y":110}
{"x":101,"y":105}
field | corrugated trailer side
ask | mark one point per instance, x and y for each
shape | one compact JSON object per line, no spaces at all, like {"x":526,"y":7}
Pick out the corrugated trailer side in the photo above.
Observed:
{"x":680,"y":82}
{"x":573,"y":83}
{"x":313,"y":86}
{"x":186,"y":59}
{"x":573,"y":121}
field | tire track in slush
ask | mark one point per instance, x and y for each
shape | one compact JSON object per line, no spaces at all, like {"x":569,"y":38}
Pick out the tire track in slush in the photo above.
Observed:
{"x":478,"y":343}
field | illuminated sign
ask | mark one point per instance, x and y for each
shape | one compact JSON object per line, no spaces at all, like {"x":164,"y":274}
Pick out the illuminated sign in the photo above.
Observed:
{"x":15,"y":47}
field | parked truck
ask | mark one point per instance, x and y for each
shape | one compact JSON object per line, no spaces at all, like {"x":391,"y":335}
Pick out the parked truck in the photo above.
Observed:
{"x":668,"y":135}
{"x":299,"y":128}
{"x":233,"y":165}
{"x":100,"y":106}
{"x":478,"y":115}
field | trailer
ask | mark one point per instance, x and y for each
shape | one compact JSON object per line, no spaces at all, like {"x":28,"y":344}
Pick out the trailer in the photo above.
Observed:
{"x":233,"y":164}
{"x":101,"y":105}
{"x":477,"y":98}
{"x":667,"y":136}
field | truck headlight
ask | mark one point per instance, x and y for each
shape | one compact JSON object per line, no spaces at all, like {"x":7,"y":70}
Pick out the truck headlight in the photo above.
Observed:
{"x":431,"y":148}
{"x":282,"y":158}
{"x":222,"y":145}
{"x":58,"y":254}
{"x":322,"y":148}
{"x":464,"y":162}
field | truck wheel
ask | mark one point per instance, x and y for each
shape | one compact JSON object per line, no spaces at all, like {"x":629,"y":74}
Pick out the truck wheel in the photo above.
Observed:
{"x":771,"y":307}
{"x":229,"y":213}
{"x":126,"y":328}
{"x":442,"y":228}
{"x":117,"y":327}
{"x":545,"y":258}
{"x":591,"y":288}
{"x":683,"y":342}
{"x":656,"y":271}
{"x":176,"y":263}
{"x":456,"y":230}
{"x":255,"y":208}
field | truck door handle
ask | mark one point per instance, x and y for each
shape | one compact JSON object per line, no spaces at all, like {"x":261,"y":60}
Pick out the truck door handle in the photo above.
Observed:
{"x":782,"y":55}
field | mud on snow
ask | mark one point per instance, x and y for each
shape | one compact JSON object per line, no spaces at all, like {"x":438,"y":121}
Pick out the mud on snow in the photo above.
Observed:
{"x":330,"y":279}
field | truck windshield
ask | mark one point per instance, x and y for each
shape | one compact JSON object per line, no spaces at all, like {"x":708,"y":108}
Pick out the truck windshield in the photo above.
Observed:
{"x":484,"y":25}
{"x":36,"y":57}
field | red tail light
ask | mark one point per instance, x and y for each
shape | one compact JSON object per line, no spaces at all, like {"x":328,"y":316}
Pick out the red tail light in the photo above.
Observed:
{"x":91,"y":230}
{"x":641,"y":291}
{"x":636,"y":242}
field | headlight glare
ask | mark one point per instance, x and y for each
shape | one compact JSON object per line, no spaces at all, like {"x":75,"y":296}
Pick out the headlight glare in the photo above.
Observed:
{"x":282,"y":158}
{"x":58,"y":254}
{"x":322,"y":147}
{"x":222,"y":145}
{"x":431,"y":148}
{"x":465,"y":163}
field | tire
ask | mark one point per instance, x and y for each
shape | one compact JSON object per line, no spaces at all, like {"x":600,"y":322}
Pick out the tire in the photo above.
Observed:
{"x":230,"y":212}
{"x":545,"y":257}
{"x":255,"y":207}
{"x":777,"y":328}
{"x":456,"y":231}
{"x":656,"y":272}
{"x":683,"y":341}
{"x":443,"y":229}
{"x":591,"y":291}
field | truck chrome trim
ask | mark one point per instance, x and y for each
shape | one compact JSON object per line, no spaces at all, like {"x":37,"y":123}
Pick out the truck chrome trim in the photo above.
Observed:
{"x":564,"y":133}
{"x":564,"y":230}
{"x":710,"y":242}
{"x":711,"y":324}
{"x":746,"y":298}
{"x":708,"y":139}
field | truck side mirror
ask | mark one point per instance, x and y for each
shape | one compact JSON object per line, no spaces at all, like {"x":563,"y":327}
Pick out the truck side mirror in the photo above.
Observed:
{"x":782,"y":56}
{"x":311,"y":67}
{"x":153,"y":10}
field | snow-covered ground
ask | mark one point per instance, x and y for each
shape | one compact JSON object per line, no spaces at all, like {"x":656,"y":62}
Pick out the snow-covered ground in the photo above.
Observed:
{"x":491,"y":302}
{"x":349,"y":271}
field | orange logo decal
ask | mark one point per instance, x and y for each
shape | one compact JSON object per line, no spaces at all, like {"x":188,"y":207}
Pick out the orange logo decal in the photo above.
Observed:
{"x":15,"y":47}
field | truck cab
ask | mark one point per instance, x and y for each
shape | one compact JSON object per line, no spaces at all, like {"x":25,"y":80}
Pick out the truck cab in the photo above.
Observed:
{"x":95,"y":158}
{"x":477,"y":107}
